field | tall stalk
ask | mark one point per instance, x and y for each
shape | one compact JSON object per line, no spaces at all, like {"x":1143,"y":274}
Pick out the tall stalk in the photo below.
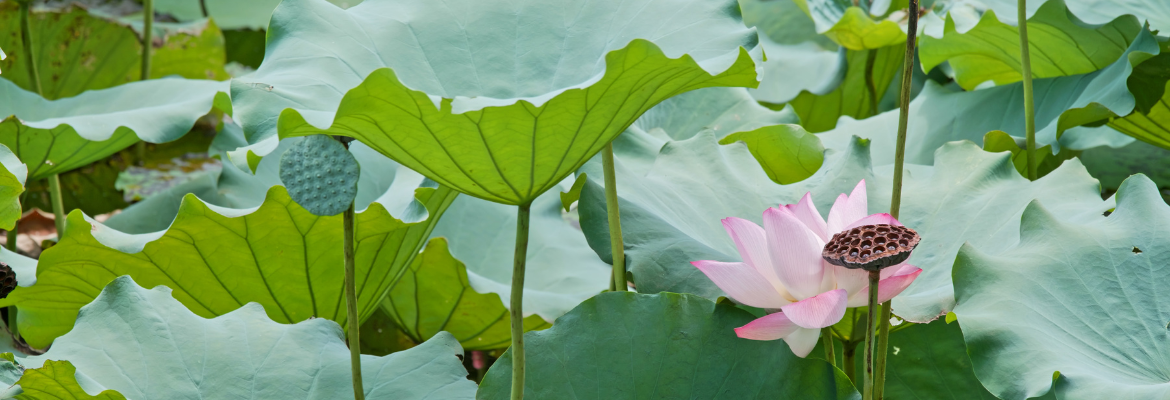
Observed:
{"x":57,"y":203}
{"x":883,"y":339}
{"x":830,"y":352}
{"x":1029,"y":102}
{"x":355,"y":351}
{"x":870,"y":86}
{"x":517,"y":301}
{"x":34,"y":77}
{"x":147,"y":48}
{"x":874,"y":276}
{"x":617,"y":249}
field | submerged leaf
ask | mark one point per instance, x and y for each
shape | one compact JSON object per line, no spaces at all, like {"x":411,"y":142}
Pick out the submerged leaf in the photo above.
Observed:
{"x":1080,"y":297}
{"x":625,"y":345}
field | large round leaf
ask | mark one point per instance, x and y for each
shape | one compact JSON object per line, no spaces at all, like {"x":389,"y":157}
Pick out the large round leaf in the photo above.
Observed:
{"x":217,"y":259}
{"x":1061,"y":45}
{"x":499,"y":100}
{"x":146,"y":345}
{"x":623,"y":345}
{"x":77,"y":51}
{"x":1154,"y":12}
{"x":229,"y":14}
{"x":55,"y":136}
{"x":434,"y":296}
{"x":1084,"y":298}
{"x":929,"y":361}
{"x":674,"y":195}
{"x":851,"y":26}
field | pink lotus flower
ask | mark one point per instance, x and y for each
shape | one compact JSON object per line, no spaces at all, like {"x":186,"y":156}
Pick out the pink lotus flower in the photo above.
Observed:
{"x":782,"y":270}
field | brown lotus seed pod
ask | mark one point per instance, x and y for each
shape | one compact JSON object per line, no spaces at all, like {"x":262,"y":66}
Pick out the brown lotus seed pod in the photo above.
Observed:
{"x":871,"y":247}
{"x":7,"y":280}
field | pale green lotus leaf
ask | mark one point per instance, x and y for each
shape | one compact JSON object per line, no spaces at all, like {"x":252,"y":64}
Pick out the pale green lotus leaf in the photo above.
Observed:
{"x":146,"y":344}
{"x":442,"y":90}
{"x":623,"y":345}
{"x":1081,"y":297}
{"x":819,"y":112}
{"x":1154,"y":12}
{"x":1062,"y":46}
{"x":851,"y":26}
{"x":229,"y":14}
{"x":218,"y":259}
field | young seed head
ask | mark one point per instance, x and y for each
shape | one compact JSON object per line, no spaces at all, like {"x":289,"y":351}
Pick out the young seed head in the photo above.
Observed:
{"x":871,"y":247}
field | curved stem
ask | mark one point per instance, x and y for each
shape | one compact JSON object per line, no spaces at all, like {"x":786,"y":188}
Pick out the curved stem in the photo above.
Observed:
{"x":830,"y":352}
{"x":895,"y":206}
{"x":352,"y":321}
{"x":517,"y":301}
{"x":874,"y":276}
{"x":617,"y":249}
{"x":1029,"y":104}
{"x":870,"y":60}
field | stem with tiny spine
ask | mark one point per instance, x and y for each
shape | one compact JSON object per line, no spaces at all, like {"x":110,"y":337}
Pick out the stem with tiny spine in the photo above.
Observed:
{"x":830,"y":353}
{"x":1029,"y":101}
{"x":352,"y":322}
{"x":895,"y":202}
{"x":874,"y":276}
{"x":147,"y":31}
{"x":516,"y":309}
{"x":617,"y":249}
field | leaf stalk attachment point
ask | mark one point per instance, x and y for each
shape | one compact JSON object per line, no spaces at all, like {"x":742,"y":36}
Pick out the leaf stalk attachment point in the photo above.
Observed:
{"x":523,"y":212}
{"x":616,"y":246}
{"x":1029,"y":102}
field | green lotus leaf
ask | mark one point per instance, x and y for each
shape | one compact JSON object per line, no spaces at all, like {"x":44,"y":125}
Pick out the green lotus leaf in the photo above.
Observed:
{"x":229,"y":14}
{"x":1045,"y":161}
{"x":820,"y":112}
{"x":446,"y":94}
{"x":929,"y":361}
{"x":1076,"y":297}
{"x":1113,"y":165}
{"x":787,"y":153}
{"x":77,"y":51}
{"x":56,"y":380}
{"x":12,"y":174}
{"x":623,"y":345}
{"x":850,"y":26}
{"x":1154,"y":12}
{"x":434,"y":295}
{"x":55,"y":136}
{"x":940,"y":115}
{"x":1063,"y":45}
{"x":1152,"y":123}
{"x":217,"y":259}
{"x":562,"y":270}
{"x":146,"y":345}
{"x":967,"y":187}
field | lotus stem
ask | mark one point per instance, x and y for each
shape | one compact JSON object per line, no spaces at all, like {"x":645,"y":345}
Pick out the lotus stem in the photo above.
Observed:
{"x":12,"y":322}
{"x":849,"y":361}
{"x":34,"y":76}
{"x":870,"y":60}
{"x":1029,"y":102}
{"x":874,"y":276}
{"x":830,"y":353}
{"x":147,"y":30}
{"x":617,"y":249}
{"x":14,"y":233}
{"x":203,"y":7}
{"x":352,"y":321}
{"x":58,"y":204}
{"x":517,"y":301}
{"x":895,"y":206}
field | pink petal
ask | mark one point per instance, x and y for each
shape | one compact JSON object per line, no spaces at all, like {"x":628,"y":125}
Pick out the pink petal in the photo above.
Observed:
{"x":751,"y":241}
{"x":848,"y":209}
{"x":852,"y":280}
{"x":769,"y":327}
{"x":795,"y":252}
{"x":819,"y":311}
{"x":899,"y":279}
{"x":806,"y":212}
{"x":875,"y":219}
{"x":803,"y":341}
{"x":742,"y":283}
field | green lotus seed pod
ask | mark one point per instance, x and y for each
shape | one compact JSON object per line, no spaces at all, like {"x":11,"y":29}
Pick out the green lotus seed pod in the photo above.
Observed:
{"x":320,"y":174}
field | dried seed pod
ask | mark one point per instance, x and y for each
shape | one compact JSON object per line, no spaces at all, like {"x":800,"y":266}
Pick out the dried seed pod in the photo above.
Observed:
{"x":871,"y":247}
{"x":7,"y":280}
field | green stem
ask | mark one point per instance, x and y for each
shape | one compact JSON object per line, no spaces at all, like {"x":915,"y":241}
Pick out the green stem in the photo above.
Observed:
{"x":203,"y":7}
{"x":517,"y":301}
{"x":895,"y":207}
{"x":1029,"y":102}
{"x":883,"y":344}
{"x":617,"y":249}
{"x":12,"y":322}
{"x":14,"y":233}
{"x":26,"y":40}
{"x":870,"y":60}
{"x":849,"y":361}
{"x":830,"y":352}
{"x":147,"y":30}
{"x":355,"y":351}
{"x":874,"y":276}
{"x":57,"y":204}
